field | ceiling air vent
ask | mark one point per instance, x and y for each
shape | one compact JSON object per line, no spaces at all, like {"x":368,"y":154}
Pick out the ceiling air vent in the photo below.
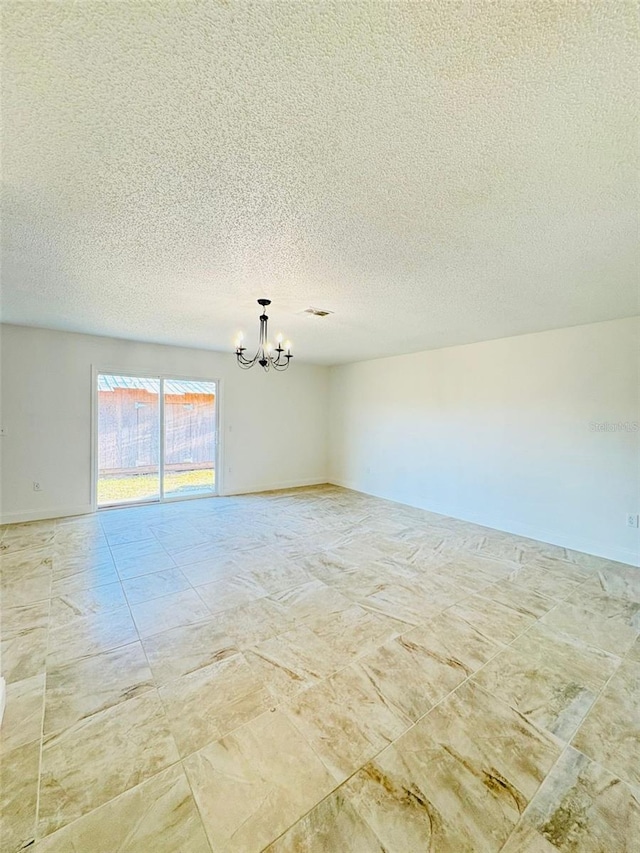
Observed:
{"x":317,"y":312}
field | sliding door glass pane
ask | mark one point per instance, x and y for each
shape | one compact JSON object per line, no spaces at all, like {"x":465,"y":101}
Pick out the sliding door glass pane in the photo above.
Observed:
{"x":128,"y":439}
{"x":189,"y":437}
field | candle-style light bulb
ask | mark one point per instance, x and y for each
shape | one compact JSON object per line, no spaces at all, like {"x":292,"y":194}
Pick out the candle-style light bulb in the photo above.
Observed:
{"x":287,"y":346}
{"x":269,"y":347}
{"x":279,"y":338}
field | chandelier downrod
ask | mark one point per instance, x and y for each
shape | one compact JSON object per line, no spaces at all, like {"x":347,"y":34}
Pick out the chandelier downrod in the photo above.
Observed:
{"x":266,"y":356}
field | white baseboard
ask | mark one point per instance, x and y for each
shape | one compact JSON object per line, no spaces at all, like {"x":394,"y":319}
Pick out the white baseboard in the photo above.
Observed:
{"x":44,"y":514}
{"x":63,"y":512}
{"x":272,"y":487}
{"x":551,"y":537}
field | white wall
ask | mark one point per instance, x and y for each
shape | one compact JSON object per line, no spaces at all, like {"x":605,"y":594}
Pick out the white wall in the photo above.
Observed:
{"x":273,"y":426}
{"x":499,"y":433}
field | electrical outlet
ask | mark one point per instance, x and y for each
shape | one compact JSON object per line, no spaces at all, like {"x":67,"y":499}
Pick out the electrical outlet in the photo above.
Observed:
{"x":36,"y":486}
{"x":633,"y":520}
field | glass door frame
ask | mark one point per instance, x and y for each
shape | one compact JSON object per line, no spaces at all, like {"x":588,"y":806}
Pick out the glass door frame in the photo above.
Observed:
{"x":161,"y":377}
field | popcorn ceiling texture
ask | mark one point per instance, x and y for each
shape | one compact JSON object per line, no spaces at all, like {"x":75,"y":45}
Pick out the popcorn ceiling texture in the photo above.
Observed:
{"x":434,"y":173}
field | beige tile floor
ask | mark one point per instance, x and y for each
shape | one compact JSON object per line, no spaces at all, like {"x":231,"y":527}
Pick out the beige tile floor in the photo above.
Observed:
{"x":314,"y":670}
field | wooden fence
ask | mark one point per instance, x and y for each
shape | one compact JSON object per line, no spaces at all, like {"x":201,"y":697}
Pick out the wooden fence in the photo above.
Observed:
{"x":129,"y":431}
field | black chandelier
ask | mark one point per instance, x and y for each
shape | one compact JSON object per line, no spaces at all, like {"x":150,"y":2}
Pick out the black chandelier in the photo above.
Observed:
{"x":266,"y":356}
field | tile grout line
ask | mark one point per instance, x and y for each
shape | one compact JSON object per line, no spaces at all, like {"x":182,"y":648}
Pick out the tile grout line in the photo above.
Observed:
{"x":44,"y":693}
{"x":37,"y":840}
{"x":356,"y":660}
{"x":167,"y":719}
{"x":182,"y":758}
{"x":393,"y":742}
{"x":381,"y":751}
{"x":569,"y":745}
{"x":443,"y":699}
{"x":164,"y":712}
{"x":359,"y":658}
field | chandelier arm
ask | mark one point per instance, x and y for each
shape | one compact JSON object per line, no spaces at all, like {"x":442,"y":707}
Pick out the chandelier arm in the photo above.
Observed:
{"x":259,"y":354}
{"x":282,"y":361}
{"x":246,"y":365}
{"x":248,"y":361}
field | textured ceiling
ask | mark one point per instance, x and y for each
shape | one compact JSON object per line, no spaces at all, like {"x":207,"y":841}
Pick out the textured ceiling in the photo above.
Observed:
{"x":434,"y":173}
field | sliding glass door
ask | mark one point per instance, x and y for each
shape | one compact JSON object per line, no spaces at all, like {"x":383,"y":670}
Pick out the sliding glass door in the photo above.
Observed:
{"x":156,"y":438}
{"x":128,"y":439}
{"x":189,"y":438}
